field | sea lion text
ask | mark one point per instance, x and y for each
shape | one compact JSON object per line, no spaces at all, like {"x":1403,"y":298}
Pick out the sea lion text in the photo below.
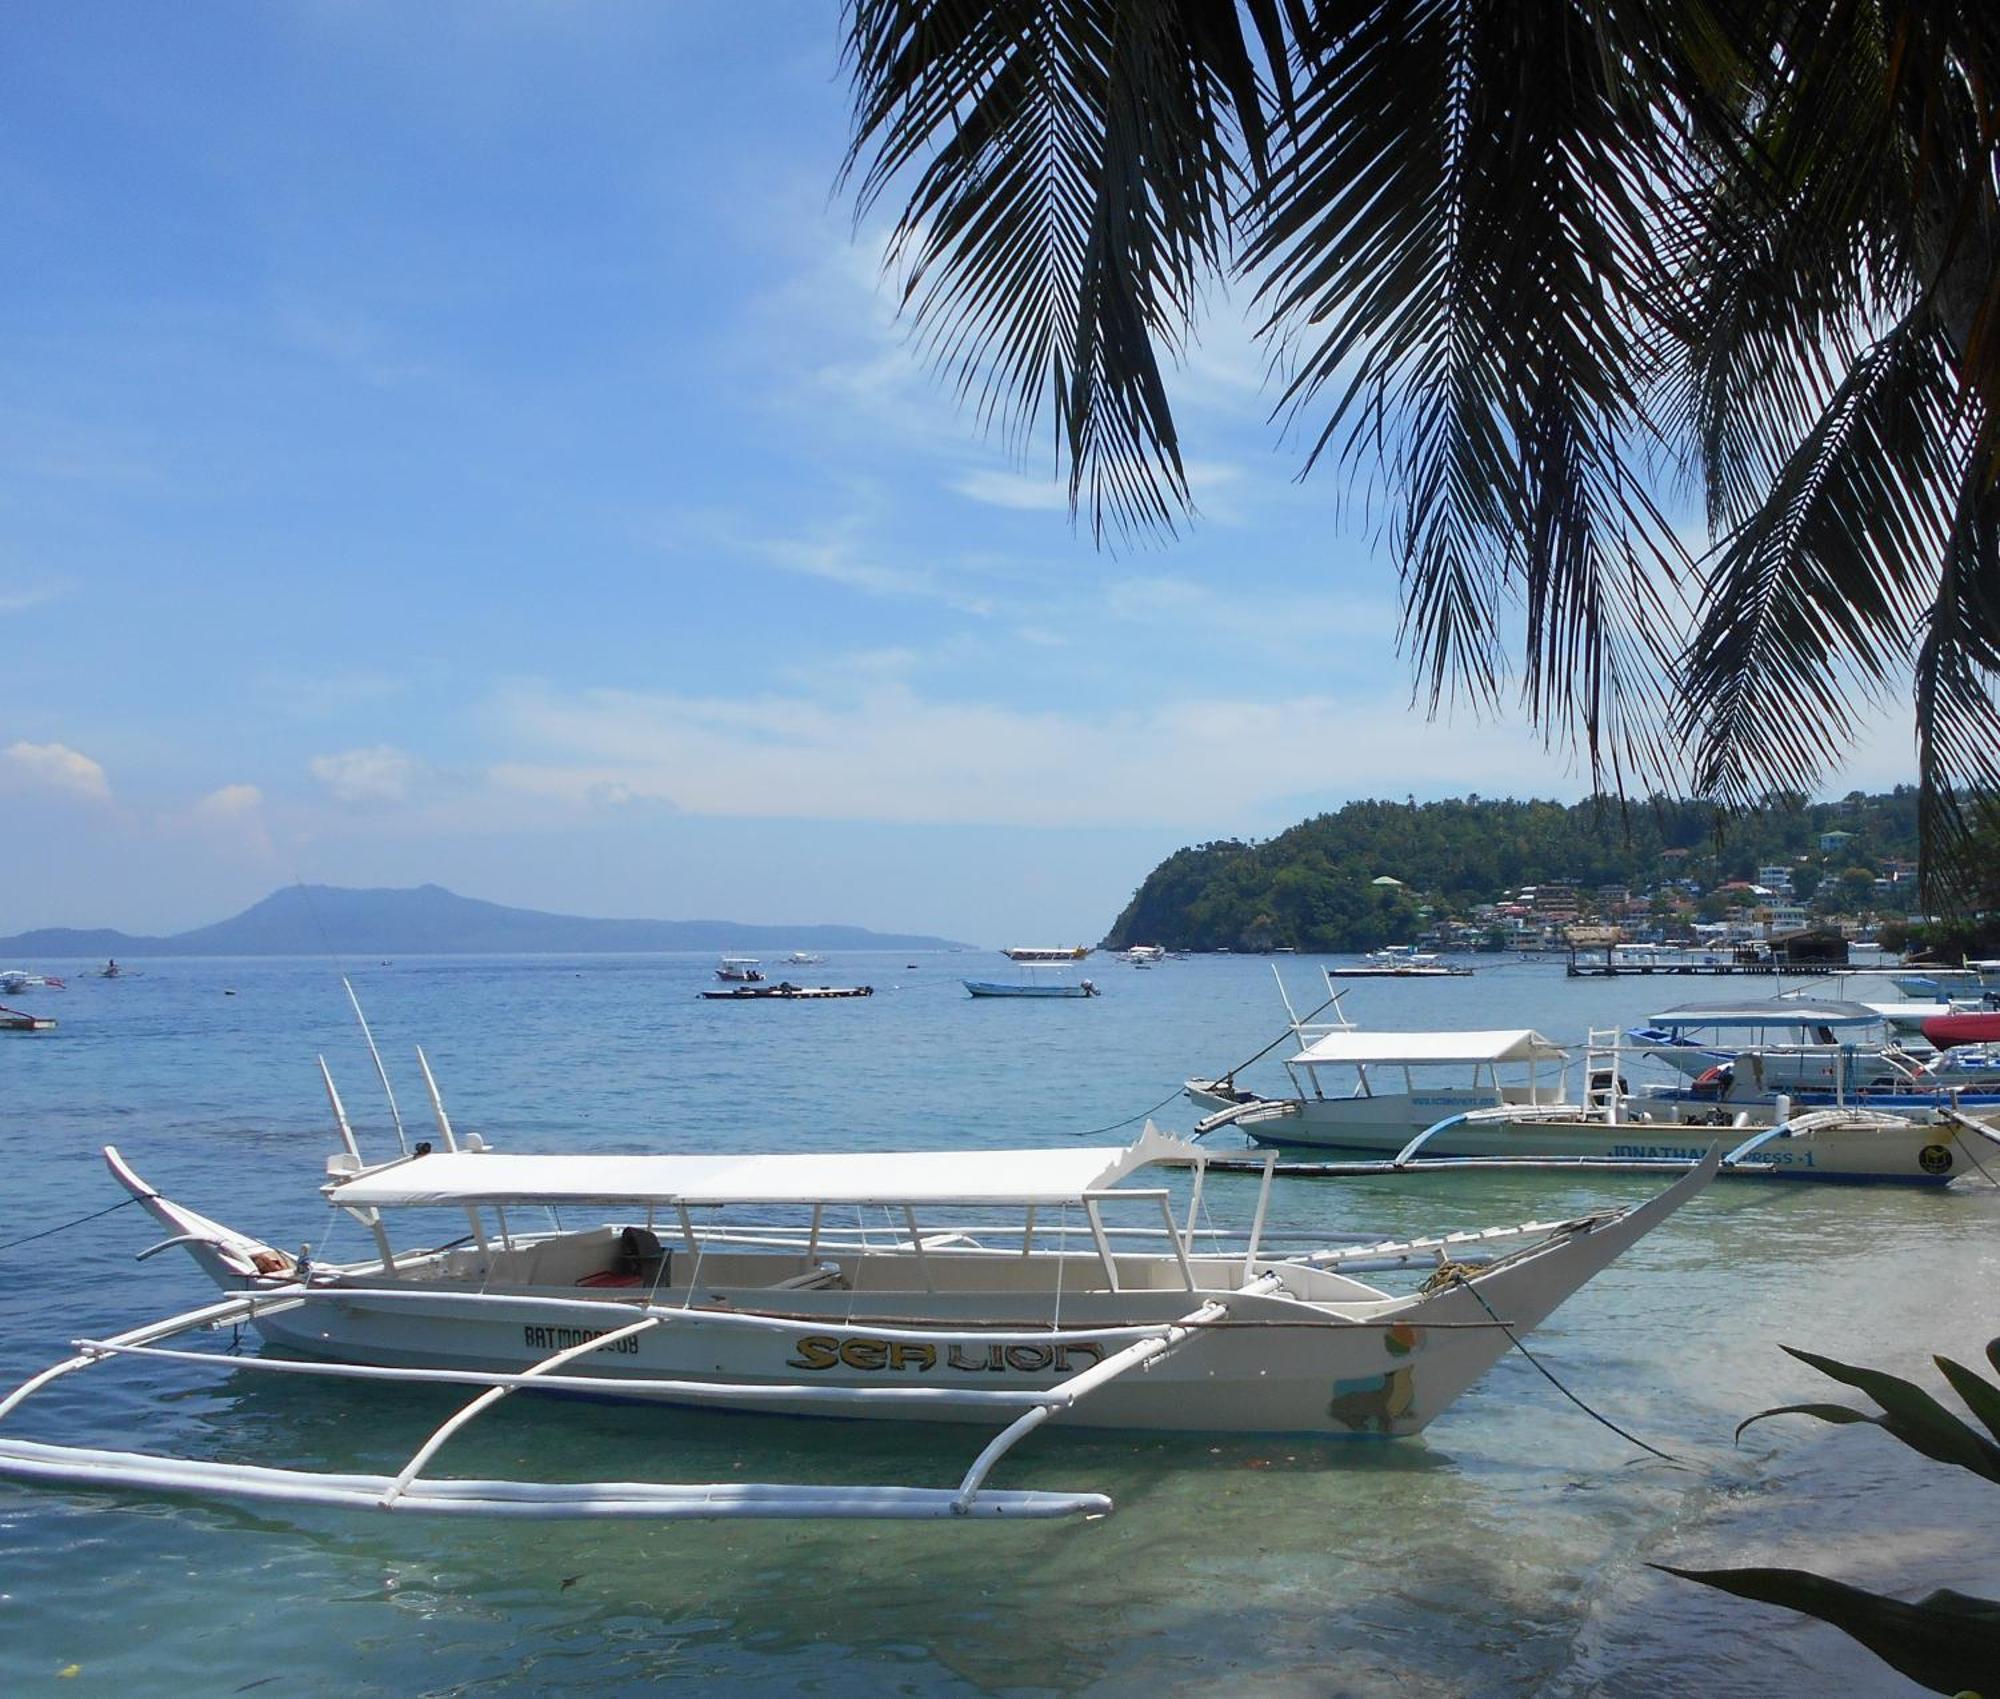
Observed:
{"x":821,"y":1351}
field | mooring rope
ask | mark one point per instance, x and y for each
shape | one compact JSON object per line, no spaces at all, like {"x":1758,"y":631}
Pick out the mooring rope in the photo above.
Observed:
{"x":1113,"y":1126}
{"x":1667,"y":1458}
{"x":50,"y":1232}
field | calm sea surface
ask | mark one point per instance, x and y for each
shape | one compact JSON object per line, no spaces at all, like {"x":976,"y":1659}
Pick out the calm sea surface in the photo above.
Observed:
{"x":1502,"y":1553}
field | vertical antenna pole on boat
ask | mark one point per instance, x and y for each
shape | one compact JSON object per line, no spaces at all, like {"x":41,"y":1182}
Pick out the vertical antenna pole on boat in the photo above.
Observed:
{"x":437,"y":1101}
{"x":1257,"y":1222}
{"x":339,"y":1114}
{"x":1291,"y":1031}
{"x":1286,"y":997}
{"x":381,"y":1073}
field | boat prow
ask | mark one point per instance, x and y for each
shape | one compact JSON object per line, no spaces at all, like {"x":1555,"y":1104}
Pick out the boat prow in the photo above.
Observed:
{"x":228,"y":1257}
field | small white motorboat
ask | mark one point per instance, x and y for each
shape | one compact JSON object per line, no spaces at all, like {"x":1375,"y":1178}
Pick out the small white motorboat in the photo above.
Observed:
{"x":1003,"y":1287}
{"x":740,"y":970}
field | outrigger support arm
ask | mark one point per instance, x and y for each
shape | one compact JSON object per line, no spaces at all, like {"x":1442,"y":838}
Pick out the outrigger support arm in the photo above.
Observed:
{"x":1080,"y":1386}
{"x":493,"y":1394}
{"x":236,"y":1309}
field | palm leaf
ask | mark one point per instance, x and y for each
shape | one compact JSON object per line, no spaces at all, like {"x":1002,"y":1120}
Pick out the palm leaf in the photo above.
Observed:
{"x":1946,"y":1641}
{"x":1811,"y":603}
{"x":1981,"y":1396}
{"x":1909,"y":1413}
{"x":1451,"y":245}
{"x":1071,"y":168}
{"x":1958,"y":726}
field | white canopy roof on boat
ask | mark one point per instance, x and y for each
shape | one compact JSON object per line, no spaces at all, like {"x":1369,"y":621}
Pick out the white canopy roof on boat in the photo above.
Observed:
{"x":1020,"y":1177}
{"x":1770,"y":1011}
{"x":1391,"y":1049}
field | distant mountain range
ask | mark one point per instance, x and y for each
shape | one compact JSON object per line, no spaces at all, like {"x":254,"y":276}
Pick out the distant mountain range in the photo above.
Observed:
{"x":313,"y":920}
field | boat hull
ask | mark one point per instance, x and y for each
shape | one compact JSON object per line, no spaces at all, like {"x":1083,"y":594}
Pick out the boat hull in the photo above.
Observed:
{"x":1000,"y":988}
{"x":1388,"y":1120}
{"x":1920,"y":1156}
{"x":1378,"y":1368}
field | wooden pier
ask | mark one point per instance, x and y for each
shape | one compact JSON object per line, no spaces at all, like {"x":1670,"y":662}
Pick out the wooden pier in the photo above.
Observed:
{"x":1578,"y":969}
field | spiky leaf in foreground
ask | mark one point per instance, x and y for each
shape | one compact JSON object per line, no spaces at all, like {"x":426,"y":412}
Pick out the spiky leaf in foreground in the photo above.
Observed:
{"x":1946,"y":1641}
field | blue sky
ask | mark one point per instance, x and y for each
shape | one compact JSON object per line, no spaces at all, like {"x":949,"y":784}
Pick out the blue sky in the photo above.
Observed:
{"x":470,"y":442}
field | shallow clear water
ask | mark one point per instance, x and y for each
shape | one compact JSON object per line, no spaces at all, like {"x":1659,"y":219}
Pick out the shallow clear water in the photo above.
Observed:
{"x":1502,"y":1553}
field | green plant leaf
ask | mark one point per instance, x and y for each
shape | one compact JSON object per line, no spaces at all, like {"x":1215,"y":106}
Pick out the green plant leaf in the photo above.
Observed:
{"x":1838,"y":1413}
{"x":1913,"y":1416}
{"x":1981,"y":1396}
{"x":1946,"y":1641}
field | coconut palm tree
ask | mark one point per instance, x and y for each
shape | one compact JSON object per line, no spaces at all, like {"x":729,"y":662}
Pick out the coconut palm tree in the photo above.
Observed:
{"x":1539,"y":271}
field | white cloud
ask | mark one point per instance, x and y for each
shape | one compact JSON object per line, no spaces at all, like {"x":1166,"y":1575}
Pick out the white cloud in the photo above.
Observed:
{"x":54,"y":767}
{"x":380,"y":774}
{"x":890,"y":754}
{"x":326,"y":696}
{"x":1011,"y":489}
{"x":231,"y":817}
{"x":18,"y":598}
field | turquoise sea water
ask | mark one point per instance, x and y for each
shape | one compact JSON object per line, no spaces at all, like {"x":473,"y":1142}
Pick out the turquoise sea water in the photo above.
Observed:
{"x":1503,"y":1552}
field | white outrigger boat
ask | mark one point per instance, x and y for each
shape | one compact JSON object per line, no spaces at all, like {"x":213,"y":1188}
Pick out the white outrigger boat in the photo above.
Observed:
{"x":1401,"y":961}
{"x":1381,"y":1116}
{"x":738,"y":1282}
{"x":1353,"y":1089}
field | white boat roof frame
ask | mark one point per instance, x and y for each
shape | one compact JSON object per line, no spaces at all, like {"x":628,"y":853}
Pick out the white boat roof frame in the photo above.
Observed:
{"x":1362,"y":1047}
{"x":1044,"y":1177}
{"x":1773,"y":1012}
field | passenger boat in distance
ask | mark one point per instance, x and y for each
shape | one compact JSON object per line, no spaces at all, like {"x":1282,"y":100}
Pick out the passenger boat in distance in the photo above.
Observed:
{"x":785,"y":992}
{"x":743,"y":970}
{"x":1400,"y":961}
{"x":1005,"y":1287}
{"x":1028,"y":954}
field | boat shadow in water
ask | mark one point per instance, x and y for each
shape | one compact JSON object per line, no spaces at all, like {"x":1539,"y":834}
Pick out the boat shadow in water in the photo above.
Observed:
{"x":1046,"y":1606}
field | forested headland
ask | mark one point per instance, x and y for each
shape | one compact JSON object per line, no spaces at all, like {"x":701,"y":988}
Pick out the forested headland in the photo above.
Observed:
{"x":1319,"y":885}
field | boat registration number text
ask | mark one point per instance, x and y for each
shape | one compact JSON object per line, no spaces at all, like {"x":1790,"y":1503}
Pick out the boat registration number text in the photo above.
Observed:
{"x":564,"y":1338}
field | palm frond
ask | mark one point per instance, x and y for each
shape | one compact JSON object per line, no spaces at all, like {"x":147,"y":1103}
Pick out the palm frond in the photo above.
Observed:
{"x":1958,"y":723}
{"x":1072,"y":168}
{"x":1452,"y":244}
{"x":1813,"y":601}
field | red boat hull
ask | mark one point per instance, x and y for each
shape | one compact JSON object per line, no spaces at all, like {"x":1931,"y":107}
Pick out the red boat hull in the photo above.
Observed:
{"x":1946,"y":1030}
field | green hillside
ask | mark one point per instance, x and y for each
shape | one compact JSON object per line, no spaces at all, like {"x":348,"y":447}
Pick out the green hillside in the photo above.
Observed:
{"x":1312,"y":887}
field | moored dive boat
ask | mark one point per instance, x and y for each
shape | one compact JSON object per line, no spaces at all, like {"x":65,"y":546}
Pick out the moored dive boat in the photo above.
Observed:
{"x":1004,"y":1287}
{"x":744,"y":970}
{"x":14,"y":980}
{"x":1047,"y":956}
{"x":1374,"y":1098}
{"x":1355,"y":1090}
{"x":1819,"y":1052}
